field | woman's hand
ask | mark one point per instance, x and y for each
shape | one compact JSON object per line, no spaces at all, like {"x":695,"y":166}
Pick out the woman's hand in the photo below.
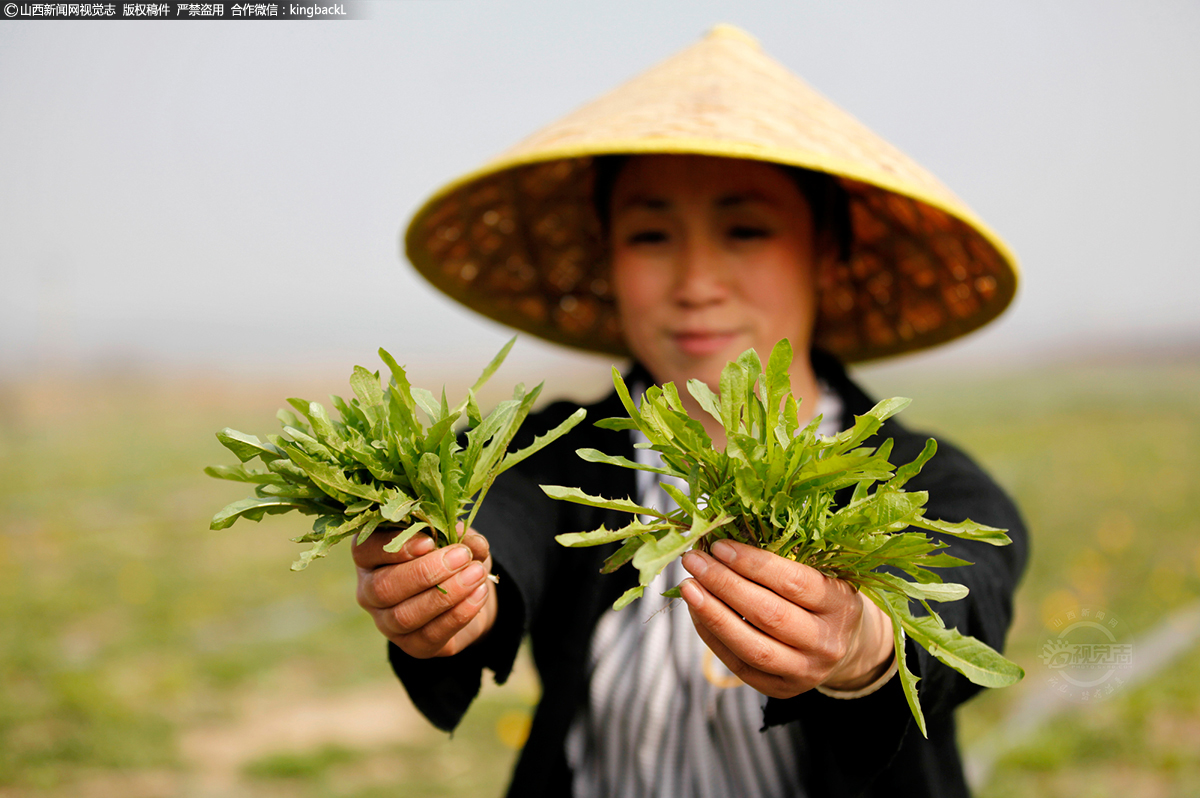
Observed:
{"x":783,"y":627}
{"x":400,"y":591}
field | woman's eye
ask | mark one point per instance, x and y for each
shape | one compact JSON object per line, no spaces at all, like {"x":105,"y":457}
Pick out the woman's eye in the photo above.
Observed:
{"x":744,"y":232}
{"x":647,"y":237}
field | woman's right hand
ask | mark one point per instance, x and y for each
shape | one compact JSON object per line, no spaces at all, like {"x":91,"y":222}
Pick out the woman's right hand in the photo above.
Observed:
{"x":400,"y":591}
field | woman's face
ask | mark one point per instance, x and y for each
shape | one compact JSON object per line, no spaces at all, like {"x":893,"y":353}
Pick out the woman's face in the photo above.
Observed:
{"x":710,"y":256}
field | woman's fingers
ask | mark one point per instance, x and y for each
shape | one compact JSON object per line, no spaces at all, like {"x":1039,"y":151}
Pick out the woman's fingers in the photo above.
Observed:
{"x":457,"y":628}
{"x":798,"y":583}
{"x":478,"y":544}
{"x":428,"y":601}
{"x":770,"y":667}
{"x":423,"y":623}
{"x":411,"y":613}
{"x":388,"y":585}
{"x":370,"y":553}
{"x":782,"y":627}
{"x":760,"y":606}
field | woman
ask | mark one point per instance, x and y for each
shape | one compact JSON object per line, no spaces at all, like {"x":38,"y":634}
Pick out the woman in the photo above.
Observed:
{"x":699,"y":241}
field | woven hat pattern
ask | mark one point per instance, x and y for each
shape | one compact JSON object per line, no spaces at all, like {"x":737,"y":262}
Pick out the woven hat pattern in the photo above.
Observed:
{"x":519,"y":240}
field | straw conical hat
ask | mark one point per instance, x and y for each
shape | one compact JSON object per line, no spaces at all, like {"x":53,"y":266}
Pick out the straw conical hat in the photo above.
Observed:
{"x":519,"y":240}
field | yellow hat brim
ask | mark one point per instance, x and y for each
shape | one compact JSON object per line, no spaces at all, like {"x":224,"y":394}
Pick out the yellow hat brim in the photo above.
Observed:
{"x":519,"y":241}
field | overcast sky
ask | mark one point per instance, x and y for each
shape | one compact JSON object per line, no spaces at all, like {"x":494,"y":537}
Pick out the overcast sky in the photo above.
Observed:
{"x":230,"y":196}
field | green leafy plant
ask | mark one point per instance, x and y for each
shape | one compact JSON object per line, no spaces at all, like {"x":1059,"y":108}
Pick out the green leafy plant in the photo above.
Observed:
{"x":774,"y":487}
{"x":380,"y":464}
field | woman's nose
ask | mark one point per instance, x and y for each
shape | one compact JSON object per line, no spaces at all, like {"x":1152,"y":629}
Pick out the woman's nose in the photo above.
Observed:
{"x":701,"y":274}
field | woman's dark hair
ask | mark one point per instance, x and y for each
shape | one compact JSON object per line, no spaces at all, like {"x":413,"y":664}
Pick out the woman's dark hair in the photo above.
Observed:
{"x":828,"y":200}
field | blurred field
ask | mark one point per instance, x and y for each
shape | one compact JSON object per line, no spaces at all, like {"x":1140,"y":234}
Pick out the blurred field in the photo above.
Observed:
{"x":143,"y":655}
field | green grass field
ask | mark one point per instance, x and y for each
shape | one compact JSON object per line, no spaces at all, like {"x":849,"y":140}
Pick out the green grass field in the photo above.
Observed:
{"x":143,"y":655}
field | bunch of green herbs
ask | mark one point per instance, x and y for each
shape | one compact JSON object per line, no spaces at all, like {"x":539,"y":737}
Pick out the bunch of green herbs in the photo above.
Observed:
{"x":380,"y":464}
{"x":774,"y":487}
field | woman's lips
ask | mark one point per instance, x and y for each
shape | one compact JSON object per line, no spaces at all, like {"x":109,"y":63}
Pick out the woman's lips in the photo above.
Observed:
{"x":702,"y":343}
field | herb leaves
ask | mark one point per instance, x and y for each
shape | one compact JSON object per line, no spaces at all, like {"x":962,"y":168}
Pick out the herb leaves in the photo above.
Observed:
{"x":380,"y":464}
{"x":774,"y":487}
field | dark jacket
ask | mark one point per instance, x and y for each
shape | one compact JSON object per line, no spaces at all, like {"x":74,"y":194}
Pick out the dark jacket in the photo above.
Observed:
{"x":868,"y":746}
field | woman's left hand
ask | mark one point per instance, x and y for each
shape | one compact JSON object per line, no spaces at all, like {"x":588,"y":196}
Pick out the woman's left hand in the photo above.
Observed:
{"x":782,"y":627}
